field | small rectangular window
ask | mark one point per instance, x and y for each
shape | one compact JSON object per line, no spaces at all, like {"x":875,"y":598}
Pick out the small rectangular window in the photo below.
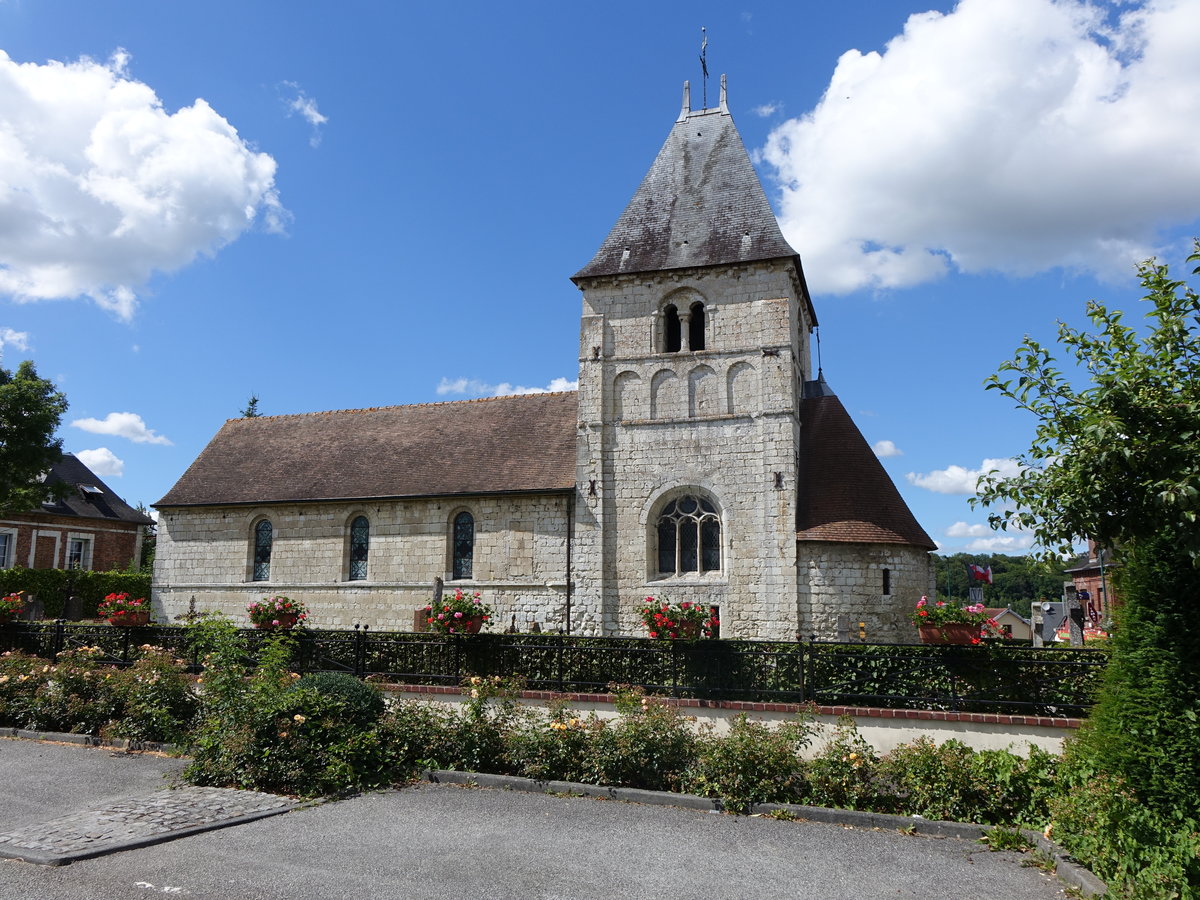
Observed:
{"x":79,"y":553}
{"x":887,"y":582}
{"x":6,"y":549}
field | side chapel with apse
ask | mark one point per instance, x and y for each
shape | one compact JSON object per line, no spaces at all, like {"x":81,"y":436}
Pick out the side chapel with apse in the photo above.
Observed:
{"x":700,"y":459}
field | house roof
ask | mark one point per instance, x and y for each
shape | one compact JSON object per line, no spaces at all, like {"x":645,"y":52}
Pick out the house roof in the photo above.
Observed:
{"x":89,"y":497}
{"x":995,"y":612}
{"x":846,"y":495}
{"x":701,"y":204}
{"x":499,"y":445}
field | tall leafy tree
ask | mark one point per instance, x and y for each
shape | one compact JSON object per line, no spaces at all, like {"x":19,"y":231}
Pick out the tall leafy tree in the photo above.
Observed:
{"x":1114,"y":457}
{"x":31,"y":409}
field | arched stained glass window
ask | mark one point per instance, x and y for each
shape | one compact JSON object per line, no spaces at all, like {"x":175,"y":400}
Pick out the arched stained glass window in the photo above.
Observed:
{"x":464,"y":545}
{"x":689,"y":537}
{"x":264,"y":537}
{"x":360,"y":537}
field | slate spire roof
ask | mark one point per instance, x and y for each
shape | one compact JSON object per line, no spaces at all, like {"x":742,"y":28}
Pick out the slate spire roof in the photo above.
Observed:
{"x":701,"y":204}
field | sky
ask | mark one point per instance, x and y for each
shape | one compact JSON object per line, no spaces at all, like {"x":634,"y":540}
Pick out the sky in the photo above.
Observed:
{"x":334,"y":206}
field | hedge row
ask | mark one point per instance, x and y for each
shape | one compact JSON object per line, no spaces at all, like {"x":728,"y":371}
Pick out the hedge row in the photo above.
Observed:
{"x":52,"y":586}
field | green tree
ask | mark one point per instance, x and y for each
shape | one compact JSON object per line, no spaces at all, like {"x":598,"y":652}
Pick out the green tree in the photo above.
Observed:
{"x":30,"y":411}
{"x":1115,"y":458}
{"x":251,"y":410}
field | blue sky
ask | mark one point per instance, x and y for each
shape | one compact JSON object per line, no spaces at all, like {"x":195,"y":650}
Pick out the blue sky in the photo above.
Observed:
{"x":368,"y":204}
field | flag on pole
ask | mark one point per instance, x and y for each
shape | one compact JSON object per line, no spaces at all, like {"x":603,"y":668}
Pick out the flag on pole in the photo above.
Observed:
{"x":980,"y":573}
{"x":703,"y":52}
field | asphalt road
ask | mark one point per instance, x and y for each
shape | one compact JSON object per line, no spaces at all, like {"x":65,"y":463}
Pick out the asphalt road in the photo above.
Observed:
{"x":442,"y":841}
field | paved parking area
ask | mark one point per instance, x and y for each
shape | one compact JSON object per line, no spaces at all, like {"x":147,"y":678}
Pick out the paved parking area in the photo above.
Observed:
{"x":446,"y":841}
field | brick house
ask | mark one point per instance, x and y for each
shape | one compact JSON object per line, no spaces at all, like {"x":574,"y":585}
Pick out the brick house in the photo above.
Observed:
{"x":90,"y":528}
{"x":701,"y":458}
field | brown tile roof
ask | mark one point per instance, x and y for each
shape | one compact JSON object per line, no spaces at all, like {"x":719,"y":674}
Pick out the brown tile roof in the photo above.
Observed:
{"x":846,"y":495}
{"x":498,"y":445}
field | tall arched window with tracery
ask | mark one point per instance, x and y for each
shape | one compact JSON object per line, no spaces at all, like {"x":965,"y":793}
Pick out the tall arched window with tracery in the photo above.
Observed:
{"x":264,"y":538}
{"x":360,"y":539}
{"x":689,"y":536}
{"x":464,"y":546}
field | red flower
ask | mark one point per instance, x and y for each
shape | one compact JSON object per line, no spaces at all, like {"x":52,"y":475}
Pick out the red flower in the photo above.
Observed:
{"x":654,"y":634}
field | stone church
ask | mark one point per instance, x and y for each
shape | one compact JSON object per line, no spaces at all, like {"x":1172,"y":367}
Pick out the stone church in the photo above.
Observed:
{"x":700,"y":458}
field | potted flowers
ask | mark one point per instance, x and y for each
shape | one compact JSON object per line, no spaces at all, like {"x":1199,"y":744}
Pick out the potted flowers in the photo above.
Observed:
{"x":672,"y":621}
{"x":276,"y":612}
{"x":11,"y":606}
{"x":120,"y":609}
{"x":459,"y":614}
{"x":949,"y":623}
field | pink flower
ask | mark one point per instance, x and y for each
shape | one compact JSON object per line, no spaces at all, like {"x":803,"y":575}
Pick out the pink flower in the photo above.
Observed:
{"x":274,"y":621}
{"x":458,"y":615}
{"x":921,"y":602}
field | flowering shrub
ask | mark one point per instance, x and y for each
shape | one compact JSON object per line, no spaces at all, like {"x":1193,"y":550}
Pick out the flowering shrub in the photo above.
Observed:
{"x":11,"y":606}
{"x":275,"y":612}
{"x":671,"y":621}
{"x":942,"y":613}
{"x":753,"y":763}
{"x":455,"y":614}
{"x":121,"y":607}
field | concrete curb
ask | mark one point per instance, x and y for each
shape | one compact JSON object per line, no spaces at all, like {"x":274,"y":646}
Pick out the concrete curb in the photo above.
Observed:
{"x":1069,"y":872}
{"x":89,"y":740}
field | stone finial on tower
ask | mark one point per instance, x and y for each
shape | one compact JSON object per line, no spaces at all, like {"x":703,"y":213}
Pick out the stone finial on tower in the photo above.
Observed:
{"x":724,"y":97}
{"x":687,"y":101}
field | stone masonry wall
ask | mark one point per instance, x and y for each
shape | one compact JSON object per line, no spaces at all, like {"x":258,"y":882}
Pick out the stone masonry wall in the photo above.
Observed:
{"x":847,"y":580}
{"x":719,"y":422}
{"x":520,"y":559}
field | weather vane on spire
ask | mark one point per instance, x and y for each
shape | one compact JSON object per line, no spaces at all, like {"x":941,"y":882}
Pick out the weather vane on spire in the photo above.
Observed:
{"x":704,"y":63}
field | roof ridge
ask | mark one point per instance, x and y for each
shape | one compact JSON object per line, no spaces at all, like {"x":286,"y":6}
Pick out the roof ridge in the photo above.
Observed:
{"x":369,"y":409}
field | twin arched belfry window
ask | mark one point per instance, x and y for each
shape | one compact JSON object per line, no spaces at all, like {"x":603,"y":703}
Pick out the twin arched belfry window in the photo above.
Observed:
{"x":674,"y":330}
{"x":689,"y":536}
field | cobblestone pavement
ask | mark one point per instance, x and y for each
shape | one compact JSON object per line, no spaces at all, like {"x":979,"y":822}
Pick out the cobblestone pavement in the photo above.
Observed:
{"x":138,"y":822}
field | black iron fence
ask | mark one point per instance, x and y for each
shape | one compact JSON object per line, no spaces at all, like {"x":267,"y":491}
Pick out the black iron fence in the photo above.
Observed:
{"x":992,"y":678}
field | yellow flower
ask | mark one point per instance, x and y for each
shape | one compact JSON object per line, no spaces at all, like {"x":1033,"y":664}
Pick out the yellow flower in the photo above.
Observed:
{"x":474,"y":694}
{"x":854,"y":756}
{"x":299,"y":718}
{"x":476,"y":680}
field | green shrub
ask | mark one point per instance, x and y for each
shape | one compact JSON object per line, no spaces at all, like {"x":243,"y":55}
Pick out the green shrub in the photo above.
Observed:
{"x":418,"y":735}
{"x":558,"y":746}
{"x":20,"y":676}
{"x":77,"y":696}
{"x":649,"y":746}
{"x":156,"y":698}
{"x":361,"y":703}
{"x":1137,"y":851}
{"x":842,"y":775}
{"x":751,"y":764}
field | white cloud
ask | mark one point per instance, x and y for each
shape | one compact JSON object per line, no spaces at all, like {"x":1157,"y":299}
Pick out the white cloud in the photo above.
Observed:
{"x":1014,"y":544}
{"x":962,"y":529}
{"x":475,"y":388}
{"x":102,"y":461}
{"x":886,"y":449}
{"x":100,"y":187}
{"x":767,"y":110}
{"x":1015,"y":137}
{"x":122,"y":424}
{"x":18,"y":340}
{"x":958,"y":480}
{"x":306,"y":107}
